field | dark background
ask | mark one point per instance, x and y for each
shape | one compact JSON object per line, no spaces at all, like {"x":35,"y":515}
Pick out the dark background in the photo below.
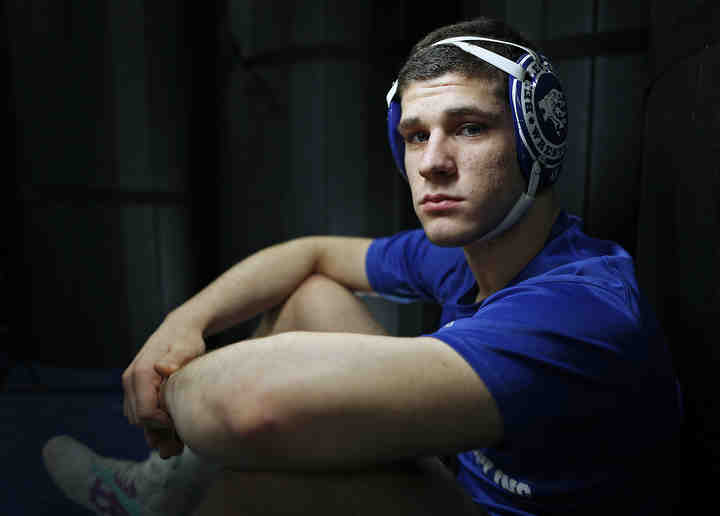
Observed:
{"x":151,"y":145}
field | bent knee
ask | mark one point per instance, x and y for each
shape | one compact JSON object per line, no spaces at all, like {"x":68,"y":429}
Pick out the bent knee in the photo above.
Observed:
{"x":319,"y":285}
{"x":324,"y":305}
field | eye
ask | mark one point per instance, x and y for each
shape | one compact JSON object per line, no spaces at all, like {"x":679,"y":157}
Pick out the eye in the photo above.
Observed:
{"x":473,"y":129}
{"x":417,"y":137}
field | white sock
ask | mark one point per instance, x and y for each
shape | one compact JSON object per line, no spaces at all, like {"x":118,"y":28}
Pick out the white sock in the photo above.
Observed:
{"x":150,"y":488}
{"x":183,"y":481}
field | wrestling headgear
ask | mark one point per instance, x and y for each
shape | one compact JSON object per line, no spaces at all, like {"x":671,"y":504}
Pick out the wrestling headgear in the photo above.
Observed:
{"x":539,"y":112}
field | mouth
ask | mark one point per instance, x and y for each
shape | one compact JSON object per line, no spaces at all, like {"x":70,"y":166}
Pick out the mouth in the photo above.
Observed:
{"x":438,"y":198}
{"x":439,"y":202}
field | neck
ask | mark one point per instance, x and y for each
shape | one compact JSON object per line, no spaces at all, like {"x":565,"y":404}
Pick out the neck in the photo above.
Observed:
{"x":495,"y":262}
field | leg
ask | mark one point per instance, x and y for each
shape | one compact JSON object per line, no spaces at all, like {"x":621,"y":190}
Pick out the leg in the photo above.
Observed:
{"x":177,"y":486}
{"x":425,"y":487}
{"x":320,"y":304}
{"x":418,"y":489}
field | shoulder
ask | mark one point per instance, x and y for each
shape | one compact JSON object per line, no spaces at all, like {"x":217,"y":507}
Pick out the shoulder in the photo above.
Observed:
{"x":412,"y":252}
{"x":592,"y":300}
{"x":568,"y":305}
{"x":577,"y":268}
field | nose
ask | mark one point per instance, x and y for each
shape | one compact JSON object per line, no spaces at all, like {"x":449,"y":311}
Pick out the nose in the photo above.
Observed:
{"x":437,"y":158}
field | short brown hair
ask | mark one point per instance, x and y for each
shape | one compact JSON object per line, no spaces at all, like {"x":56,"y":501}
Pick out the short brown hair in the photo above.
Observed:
{"x":426,"y":62}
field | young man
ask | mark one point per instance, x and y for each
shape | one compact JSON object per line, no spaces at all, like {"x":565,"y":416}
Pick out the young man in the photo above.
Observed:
{"x":549,"y":379}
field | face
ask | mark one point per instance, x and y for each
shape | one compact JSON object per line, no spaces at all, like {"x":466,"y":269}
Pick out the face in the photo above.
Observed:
{"x":459,"y":156}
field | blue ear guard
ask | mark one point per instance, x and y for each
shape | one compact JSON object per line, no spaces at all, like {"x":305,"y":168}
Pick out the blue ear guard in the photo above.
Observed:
{"x":537,"y":104}
{"x":397,"y":145}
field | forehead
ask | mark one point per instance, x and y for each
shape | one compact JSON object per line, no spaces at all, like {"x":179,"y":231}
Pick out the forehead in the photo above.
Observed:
{"x":425,"y":97}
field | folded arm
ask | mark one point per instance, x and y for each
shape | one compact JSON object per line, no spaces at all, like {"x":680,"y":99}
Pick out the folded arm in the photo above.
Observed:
{"x":252,"y":286}
{"x":304,"y":401}
{"x":268,"y":277}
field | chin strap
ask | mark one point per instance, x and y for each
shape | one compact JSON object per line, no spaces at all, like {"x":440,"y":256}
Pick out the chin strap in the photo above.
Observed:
{"x":521,"y":206}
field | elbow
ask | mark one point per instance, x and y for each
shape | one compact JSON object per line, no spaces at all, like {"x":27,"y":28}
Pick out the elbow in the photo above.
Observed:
{"x":216,"y":423}
{"x":245,"y":420}
{"x":249,"y":432}
{"x":237,"y":427}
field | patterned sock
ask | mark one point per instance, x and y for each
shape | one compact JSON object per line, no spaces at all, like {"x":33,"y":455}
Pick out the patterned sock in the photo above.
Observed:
{"x":115,"y":487}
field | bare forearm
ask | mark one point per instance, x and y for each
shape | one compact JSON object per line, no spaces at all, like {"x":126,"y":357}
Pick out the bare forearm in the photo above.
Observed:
{"x":196,"y":397}
{"x":270,"y":276}
{"x":263,"y":404}
{"x":252,"y":286}
{"x":305,"y":401}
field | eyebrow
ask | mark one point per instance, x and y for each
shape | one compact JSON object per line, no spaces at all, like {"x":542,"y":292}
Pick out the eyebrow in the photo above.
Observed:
{"x":455,"y":112}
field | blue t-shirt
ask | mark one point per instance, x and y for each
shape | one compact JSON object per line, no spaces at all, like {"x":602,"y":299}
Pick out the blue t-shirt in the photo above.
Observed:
{"x":576,"y":361}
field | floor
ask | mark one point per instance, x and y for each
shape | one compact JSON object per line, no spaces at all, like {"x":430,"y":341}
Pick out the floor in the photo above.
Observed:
{"x":38,"y":402}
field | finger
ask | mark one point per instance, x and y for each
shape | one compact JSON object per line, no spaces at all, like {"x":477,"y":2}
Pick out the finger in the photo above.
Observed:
{"x":166,"y":368}
{"x":146,"y":382}
{"x":174,"y":360}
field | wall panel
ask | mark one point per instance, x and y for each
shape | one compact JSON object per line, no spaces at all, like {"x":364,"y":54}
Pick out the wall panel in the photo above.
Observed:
{"x":347,"y":149}
{"x":618,"y":15}
{"x":678,"y":248}
{"x":143,"y":270}
{"x":101,"y":95}
{"x":75,"y":292}
{"x":65,"y":138}
{"x":681,"y":30}
{"x":567,"y":18}
{"x":526,"y":17}
{"x":306,"y":131}
{"x":177,"y":250}
{"x":576,"y":77}
{"x":615,"y":146}
{"x":126,"y":94}
{"x":253,"y":182}
{"x":308,"y":87}
{"x":494,"y":9}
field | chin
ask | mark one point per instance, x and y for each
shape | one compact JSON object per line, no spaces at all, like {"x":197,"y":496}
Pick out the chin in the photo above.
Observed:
{"x":448,"y":237}
{"x":454,"y":233}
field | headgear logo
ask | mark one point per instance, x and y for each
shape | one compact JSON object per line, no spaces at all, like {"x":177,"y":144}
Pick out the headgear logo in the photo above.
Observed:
{"x":553,"y":107}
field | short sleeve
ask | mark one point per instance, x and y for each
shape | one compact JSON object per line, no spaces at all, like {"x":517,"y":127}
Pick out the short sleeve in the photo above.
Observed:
{"x":561,"y":358}
{"x":391,"y":268}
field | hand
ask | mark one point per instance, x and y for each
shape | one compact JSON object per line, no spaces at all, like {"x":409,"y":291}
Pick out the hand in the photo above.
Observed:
{"x":174,"y":344}
{"x":165,"y":440}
